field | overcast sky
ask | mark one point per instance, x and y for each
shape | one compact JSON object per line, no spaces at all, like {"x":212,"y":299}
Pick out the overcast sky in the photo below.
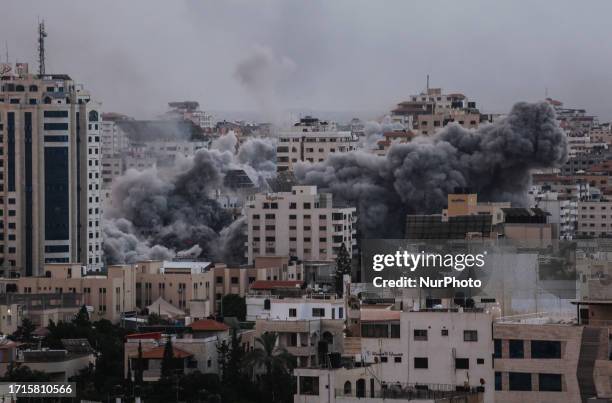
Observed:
{"x":361,"y":56}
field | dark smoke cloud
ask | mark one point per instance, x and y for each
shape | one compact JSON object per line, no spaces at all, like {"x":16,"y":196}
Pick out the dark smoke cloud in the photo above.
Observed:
{"x":416,"y":177}
{"x":158,"y":213}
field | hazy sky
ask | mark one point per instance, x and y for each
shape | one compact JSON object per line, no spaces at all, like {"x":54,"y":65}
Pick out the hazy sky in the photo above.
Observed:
{"x":361,"y":56}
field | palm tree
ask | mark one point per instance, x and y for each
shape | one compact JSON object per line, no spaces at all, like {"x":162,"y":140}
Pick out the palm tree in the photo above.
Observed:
{"x":276,"y":361}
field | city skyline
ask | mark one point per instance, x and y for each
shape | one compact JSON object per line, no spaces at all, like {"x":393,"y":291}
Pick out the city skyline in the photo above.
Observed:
{"x":318,"y":56}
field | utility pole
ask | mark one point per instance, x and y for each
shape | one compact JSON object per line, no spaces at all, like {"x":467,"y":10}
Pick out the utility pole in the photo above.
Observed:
{"x":42,"y":34}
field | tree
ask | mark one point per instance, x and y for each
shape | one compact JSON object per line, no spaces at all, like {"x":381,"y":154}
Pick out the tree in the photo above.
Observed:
{"x":277,"y":364}
{"x":343,"y":266}
{"x":24,"y":331}
{"x":23,"y":373}
{"x":139,"y":364}
{"x":82,"y":318}
{"x":234,"y":305}
{"x":167,"y":364}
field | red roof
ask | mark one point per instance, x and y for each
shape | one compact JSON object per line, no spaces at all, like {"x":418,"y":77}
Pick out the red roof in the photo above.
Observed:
{"x":275,"y":284}
{"x":208,"y":325}
{"x":150,"y":335}
{"x":157,"y":353}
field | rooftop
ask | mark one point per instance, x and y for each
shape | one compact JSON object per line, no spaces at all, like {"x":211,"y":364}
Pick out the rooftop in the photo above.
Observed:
{"x":208,"y":325}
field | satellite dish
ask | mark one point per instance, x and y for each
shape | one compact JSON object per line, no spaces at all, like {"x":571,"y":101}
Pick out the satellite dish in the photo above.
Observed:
{"x":5,"y":68}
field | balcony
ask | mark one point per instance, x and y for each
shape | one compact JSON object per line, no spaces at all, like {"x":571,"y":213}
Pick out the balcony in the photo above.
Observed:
{"x":411,"y":392}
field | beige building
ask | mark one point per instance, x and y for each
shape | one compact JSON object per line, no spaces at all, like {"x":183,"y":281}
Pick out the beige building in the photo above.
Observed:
{"x":594,"y":218}
{"x":301,"y":223}
{"x":106,"y":296}
{"x":50,"y":207}
{"x":40,"y":309}
{"x":311,"y":147}
{"x":549,"y":362}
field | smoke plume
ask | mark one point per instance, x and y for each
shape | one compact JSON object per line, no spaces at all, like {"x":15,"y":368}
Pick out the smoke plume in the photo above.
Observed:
{"x":493,"y":161}
{"x":161,"y":212}
{"x":263,"y":74}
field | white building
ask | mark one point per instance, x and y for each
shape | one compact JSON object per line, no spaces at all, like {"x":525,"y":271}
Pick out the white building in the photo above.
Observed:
{"x":311,"y":140}
{"x":301,"y":223}
{"x":311,"y":147}
{"x":431,"y":346}
{"x":51,"y":179}
{"x":564,"y":213}
{"x":302,"y":324}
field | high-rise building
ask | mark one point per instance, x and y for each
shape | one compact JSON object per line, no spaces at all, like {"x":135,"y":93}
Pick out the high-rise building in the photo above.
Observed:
{"x":301,"y":223}
{"x":50,"y":173}
{"x":311,"y":140}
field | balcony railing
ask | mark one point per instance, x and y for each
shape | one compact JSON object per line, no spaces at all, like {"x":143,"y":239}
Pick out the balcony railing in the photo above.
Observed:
{"x":413,"y":391}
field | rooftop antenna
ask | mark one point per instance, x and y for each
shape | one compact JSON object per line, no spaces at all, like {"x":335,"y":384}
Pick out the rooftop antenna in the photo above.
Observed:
{"x":428,"y":83}
{"x":6,"y":49}
{"x":42,"y":34}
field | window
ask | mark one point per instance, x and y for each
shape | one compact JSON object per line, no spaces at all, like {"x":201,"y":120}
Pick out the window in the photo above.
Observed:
{"x":292,"y":312}
{"x":309,"y":385}
{"x":397,"y":360}
{"x":234,"y":280}
{"x":480,"y":361}
{"x":470,"y":335}
{"x":519,"y":381}
{"x":545,"y":349}
{"x":395,"y":331}
{"x":516,"y":349}
{"x":420,"y":334}
{"x":497,"y":346}
{"x":498,"y":381}
{"x":372,"y":330}
{"x":384,"y":359}
{"x":550,"y":383}
{"x":318,"y":312}
{"x":444,"y":332}
{"x":462,"y":363}
{"x":421,"y":363}
{"x":219,"y":280}
{"x":347,"y":388}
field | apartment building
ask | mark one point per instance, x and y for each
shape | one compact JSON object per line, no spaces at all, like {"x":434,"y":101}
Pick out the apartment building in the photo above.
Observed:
{"x":311,"y":147}
{"x":190,"y":110}
{"x":562,"y":212}
{"x":40,"y":309}
{"x":50,"y":182}
{"x":345,"y":384}
{"x":195,"y":349}
{"x":431,"y":110}
{"x":302,"y":223}
{"x":390,"y":138}
{"x":107,"y":296}
{"x":311,"y":140}
{"x":450,"y":346}
{"x":594,"y":218}
{"x":544,"y":361}
{"x":309,"y":327}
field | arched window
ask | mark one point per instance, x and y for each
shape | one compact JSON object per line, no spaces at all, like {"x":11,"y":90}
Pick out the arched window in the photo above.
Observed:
{"x":93,"y":116}
{"x":33,"y":88}
{"x":360,"y":387}
{"x":347,"y":388}
{"x":47,"y":100}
